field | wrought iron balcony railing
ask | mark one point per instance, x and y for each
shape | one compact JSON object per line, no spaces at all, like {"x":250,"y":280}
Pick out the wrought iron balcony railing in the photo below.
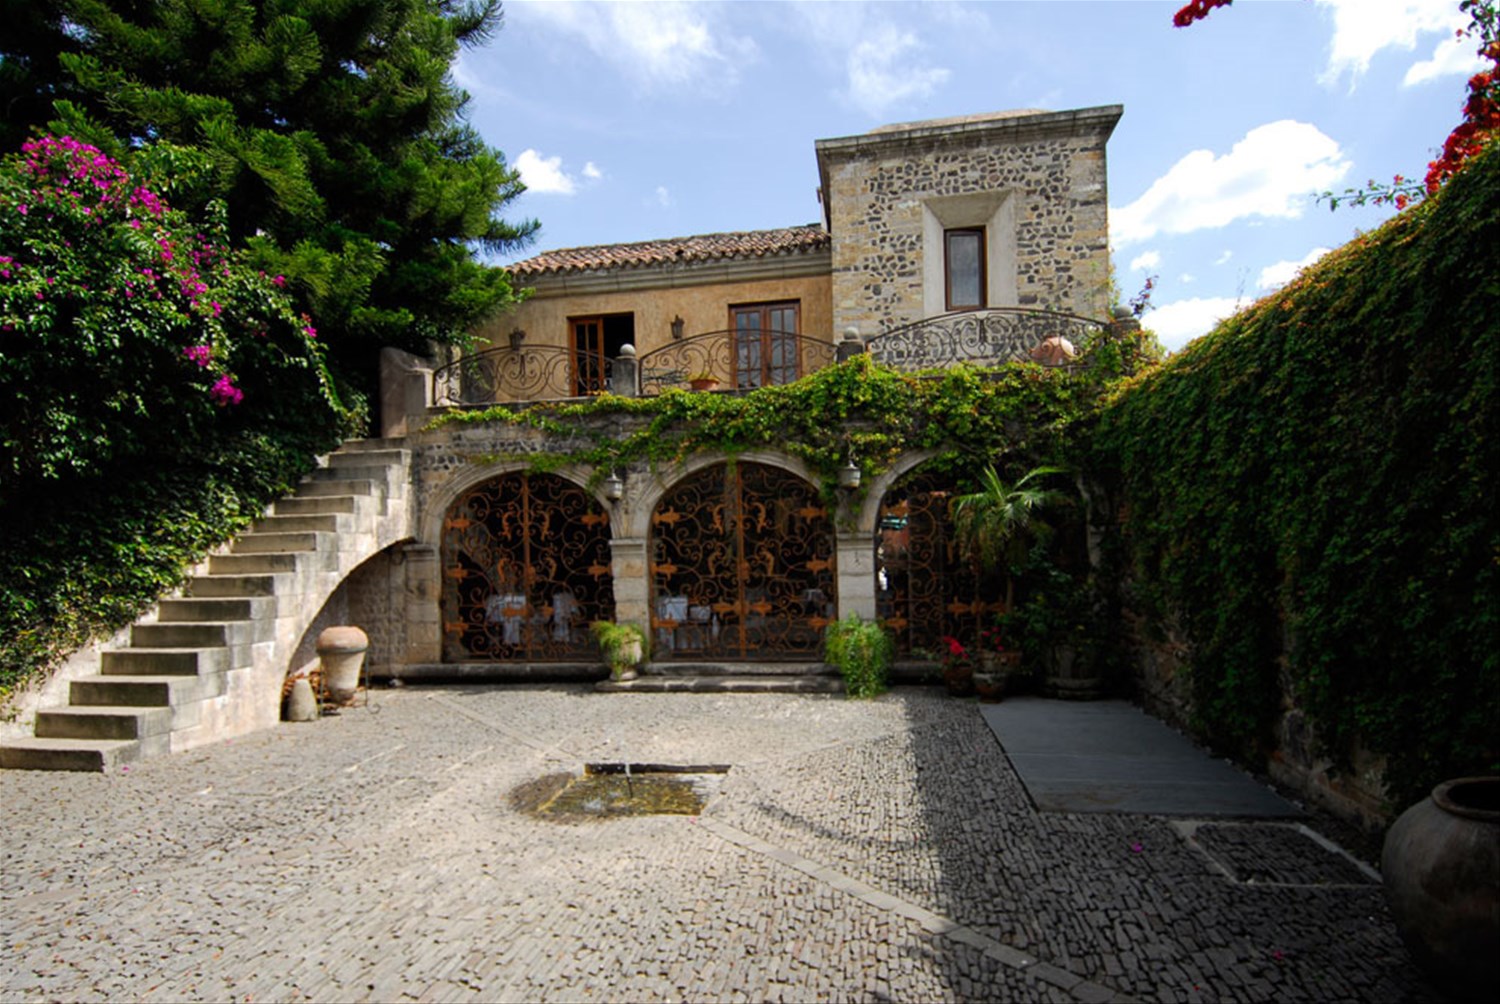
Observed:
{"x":733,"y":360}
{"x":981,"y":337}
{"x":520,"y":374}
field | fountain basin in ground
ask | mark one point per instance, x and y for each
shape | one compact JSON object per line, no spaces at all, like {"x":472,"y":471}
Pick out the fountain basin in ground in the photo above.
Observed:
{"x":618,"y":790}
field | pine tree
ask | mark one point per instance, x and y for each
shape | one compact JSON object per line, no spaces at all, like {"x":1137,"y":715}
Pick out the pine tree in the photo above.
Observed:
{"x":336,"y":136}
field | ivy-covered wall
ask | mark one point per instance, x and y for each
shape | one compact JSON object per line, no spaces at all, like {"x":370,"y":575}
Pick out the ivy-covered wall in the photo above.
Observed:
{"x":1308,"y":497}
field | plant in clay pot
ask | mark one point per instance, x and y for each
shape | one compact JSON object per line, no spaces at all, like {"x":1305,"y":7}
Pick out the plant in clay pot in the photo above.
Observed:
{"x":703,"y":381}
{"x":622,"y":645}
{"x":958,"y":667}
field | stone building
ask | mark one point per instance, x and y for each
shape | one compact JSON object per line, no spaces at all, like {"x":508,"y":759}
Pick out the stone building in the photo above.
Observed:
{"x":979,"y":239}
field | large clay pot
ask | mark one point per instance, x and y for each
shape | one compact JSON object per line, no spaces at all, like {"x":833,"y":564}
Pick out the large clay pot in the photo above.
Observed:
{"x":1441,"y":865}
{"x":342,"y":651}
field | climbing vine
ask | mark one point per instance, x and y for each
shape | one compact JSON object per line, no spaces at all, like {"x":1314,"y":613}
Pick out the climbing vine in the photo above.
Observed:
{"x":857,"y":410}
{"x":1310,"y":491}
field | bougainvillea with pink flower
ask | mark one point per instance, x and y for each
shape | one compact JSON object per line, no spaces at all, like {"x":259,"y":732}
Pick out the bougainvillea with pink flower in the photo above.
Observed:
{"x":126,"y":326}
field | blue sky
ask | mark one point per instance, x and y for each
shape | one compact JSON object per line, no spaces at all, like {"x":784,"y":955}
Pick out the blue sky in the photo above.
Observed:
{"x":632,"y":121}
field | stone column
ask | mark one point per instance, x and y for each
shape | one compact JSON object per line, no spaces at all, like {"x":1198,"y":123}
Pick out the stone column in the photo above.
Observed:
{"x":850,"y":345}
{"x":424,"y":619}
{"x":856,"y":564}
{"x":632,"y":590}
{"x":625,"y":373}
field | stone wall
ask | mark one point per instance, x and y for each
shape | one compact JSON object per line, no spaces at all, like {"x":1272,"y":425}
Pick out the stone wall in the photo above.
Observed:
{"x":1036,"y":181}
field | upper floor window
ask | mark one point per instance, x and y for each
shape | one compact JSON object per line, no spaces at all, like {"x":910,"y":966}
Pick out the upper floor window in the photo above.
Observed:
{"x":963,"y":268}
{"x":765,"y":344}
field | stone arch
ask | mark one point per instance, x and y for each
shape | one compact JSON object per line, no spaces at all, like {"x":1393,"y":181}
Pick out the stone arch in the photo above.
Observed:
{"x":525,"y":567}
{"x":643,"y":493}
{"x":436,"y":501}
{"x":741,"y":562}
{"x":869,"y":509}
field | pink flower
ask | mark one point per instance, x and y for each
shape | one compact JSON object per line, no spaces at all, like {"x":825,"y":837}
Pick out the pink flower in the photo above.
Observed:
{"x":199,"y":354}
{"x":310,"y":331}
{"x":225,"y":393}
{"x":279,"y":280}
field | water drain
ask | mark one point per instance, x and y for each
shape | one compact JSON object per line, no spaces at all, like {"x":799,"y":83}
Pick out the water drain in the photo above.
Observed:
{"x":615,"y":790}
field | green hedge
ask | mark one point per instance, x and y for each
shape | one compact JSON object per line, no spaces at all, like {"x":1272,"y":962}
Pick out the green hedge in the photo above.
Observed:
{"x":1315,"y":482}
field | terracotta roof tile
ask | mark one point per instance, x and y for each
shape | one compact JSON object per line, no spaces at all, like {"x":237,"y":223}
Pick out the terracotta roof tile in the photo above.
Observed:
{"x":705,"y":247}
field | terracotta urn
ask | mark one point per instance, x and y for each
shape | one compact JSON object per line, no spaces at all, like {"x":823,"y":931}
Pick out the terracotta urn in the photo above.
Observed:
{"x":342,"y":651}
{"x":1441,"y":866}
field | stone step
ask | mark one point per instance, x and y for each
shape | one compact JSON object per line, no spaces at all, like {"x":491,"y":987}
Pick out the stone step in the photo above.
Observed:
{"x":68,"y":754}
{"x":367,"y":445}
{"x":329,"y":522}
{"x":202,"y":635}
{"x":773,"y":684}
{"x":757,"y":669}
{"x":165,"y":662}
{"x":103,"y":723}
{"x":198,"y":609}
{"x":371,"y":457}
{"x":352,"y":486}
{"x":233,"y":586}
{"x":260,"y":543}
{"x":317,"y":504}
{"x":350,"y":472}
{"x":251,"y":564}
{"x":170,"y":690}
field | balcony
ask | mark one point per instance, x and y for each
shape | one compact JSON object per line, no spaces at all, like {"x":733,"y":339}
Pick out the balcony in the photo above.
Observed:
{"x":729,"y":361}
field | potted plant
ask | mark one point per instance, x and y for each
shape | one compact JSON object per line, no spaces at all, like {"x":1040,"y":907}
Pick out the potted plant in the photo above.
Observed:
{"x":623,"y":647}
{"x":862,"y":651}
{"x":703,"y":381}
{"x":958,"y":667}
{"x":997,"y":664}
{"x":997,"y":526}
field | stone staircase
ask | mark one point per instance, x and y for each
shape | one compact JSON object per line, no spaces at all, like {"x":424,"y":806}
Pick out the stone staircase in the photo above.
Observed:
{"x":210,"y":665}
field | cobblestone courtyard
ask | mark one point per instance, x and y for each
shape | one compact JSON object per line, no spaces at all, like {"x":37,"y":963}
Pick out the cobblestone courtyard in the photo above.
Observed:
{"x":856,"y":851}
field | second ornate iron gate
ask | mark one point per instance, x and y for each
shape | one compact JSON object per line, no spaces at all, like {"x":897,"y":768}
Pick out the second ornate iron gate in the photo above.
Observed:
{"x":924,"y":590}
{"x":741,"y":567}
{"x":526,"y":568}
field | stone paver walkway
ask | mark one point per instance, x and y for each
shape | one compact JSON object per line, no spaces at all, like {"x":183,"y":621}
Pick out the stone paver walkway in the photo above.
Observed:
{"x":857,"y":851}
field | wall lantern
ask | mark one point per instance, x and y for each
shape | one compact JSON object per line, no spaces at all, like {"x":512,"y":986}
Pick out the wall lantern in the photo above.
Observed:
{"x":849,"y":476}
{"x":614,"y":487}
{"x":516,"y":338}
{"x":677,"y":324}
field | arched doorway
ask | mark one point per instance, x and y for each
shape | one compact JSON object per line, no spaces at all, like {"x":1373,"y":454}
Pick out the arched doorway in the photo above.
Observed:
{"x":741,"y":567}
{"x":923,"y":589}
{"x":526,"y":568}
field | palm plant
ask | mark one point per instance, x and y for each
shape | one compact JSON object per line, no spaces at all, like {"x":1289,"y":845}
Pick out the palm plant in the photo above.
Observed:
{"x":998,"y":525}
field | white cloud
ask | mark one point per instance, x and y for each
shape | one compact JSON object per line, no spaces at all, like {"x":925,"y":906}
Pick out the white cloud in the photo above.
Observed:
{"x":591,"y":171}
{"x":1283,"y":272}
{"x":880,"y":77}
{"x":1266,"y":174}
{"x":1453,"y":57}
{"x":1363,"y":28}
{"x":543,"y":174}
{"x":660,"y":46}
{"x":1180,"y":321}
{"x":1224,"y":258}
{"x":663,"y":197}
{"x":1145,"y":260}
{"x":1187,"y":277}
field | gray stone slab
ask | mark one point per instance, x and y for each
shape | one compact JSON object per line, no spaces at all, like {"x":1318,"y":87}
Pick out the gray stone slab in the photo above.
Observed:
{"x":1109,"y":756}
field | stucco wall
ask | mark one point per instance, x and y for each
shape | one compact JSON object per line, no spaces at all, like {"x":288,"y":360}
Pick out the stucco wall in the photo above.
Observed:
{"x":703,"y":307}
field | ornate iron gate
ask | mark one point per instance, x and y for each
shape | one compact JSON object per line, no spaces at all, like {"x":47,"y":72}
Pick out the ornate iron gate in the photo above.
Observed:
{"x":741,"y":567}
{"x":924,"y":590}
{"x":526,"y":567}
